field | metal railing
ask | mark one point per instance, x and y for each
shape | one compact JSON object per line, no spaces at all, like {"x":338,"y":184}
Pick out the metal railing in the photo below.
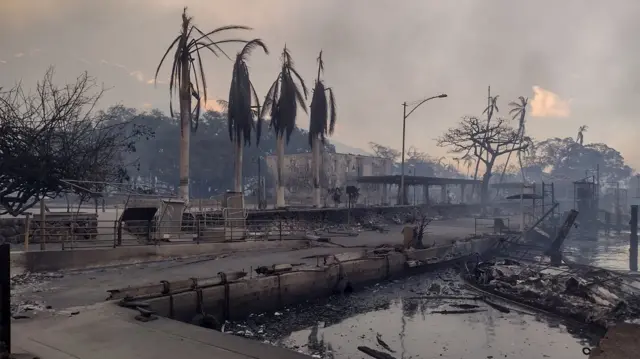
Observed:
{"x":70,"y":234}
{"x":491,"y":225}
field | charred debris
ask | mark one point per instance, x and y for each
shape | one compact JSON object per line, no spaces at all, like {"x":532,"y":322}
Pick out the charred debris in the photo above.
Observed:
{"x":533,"y":273}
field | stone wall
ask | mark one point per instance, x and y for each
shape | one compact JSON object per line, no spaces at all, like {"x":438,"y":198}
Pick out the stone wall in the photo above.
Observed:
{"x":337,"y":170}
{"x":58,"y":226}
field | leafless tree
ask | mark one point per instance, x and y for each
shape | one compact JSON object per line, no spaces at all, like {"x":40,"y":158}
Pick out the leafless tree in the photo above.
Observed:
{"x":384,"y":151}
{"x":473,"y":137}
{"x":52,"y":135}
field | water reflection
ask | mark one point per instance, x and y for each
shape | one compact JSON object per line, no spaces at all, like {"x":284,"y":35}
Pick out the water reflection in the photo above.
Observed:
{"x":401,"y":316}
{"x":608,"y":251}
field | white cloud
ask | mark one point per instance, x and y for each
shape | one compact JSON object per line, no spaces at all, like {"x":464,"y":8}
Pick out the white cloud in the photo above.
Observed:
{"x":548,"y":104}
{"x":19,"y":54}
{"x":137,"y":75}
{"x":2,"y":62}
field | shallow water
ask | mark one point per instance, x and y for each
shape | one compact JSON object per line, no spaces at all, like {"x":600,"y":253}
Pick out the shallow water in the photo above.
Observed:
{"x":609,"y":251}
{"x":335,"y":327}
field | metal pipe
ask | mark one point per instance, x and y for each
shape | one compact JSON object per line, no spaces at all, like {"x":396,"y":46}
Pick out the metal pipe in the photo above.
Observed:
{"x":401,"y":193}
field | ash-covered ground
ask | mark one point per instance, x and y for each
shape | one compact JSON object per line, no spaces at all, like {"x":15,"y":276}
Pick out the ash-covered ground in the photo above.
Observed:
{"x":426,"y":316}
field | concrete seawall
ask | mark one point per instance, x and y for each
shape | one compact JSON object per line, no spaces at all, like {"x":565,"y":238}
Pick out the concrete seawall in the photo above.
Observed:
{"x":52,"y":260}
{"x":237,"y":299}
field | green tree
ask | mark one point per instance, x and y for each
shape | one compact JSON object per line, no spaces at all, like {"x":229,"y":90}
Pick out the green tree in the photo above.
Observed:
{"x":188,"y":45}
{"x":281,"y":103}
{"x":322,"y":121}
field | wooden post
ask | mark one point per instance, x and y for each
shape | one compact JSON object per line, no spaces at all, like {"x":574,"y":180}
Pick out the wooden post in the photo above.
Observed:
{"x":633,"y":239}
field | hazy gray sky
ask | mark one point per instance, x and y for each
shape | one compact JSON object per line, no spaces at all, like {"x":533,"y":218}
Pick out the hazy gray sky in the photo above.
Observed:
{"x":577,"y":60}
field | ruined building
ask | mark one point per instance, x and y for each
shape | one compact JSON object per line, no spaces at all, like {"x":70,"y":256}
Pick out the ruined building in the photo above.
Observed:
{"x":337,"y":170}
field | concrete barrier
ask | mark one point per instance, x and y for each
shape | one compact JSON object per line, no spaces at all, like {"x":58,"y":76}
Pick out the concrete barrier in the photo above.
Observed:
{"x":266,"y":293}
{"x":53,"y":260}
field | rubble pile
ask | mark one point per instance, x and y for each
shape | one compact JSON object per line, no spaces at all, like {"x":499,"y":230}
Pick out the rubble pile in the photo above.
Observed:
{"x":591,"y":295}
{"x":26,"y":283}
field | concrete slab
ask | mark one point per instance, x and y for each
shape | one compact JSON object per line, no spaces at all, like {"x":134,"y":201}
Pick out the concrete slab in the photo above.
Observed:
{"x":38,"y":261}
{"x":86,"y":287}
{"x":107,"y":331}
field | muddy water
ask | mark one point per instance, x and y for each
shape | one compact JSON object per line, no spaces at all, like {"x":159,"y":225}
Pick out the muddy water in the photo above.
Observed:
{"x":609,"y":251}
{"x":405,"y":320}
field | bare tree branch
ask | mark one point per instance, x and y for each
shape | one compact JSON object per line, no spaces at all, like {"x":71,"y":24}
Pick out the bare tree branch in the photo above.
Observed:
{"x":52,"y":134}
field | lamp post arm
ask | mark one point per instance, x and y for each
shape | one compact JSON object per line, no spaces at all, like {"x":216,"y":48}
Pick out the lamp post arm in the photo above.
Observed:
{"x":421,"y":102}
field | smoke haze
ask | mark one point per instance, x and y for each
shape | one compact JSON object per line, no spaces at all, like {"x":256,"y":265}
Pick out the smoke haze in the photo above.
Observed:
{"x":576,"y":60}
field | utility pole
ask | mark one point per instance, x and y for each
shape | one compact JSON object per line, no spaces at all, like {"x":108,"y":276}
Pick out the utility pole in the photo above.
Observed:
{"x":401,"y":191}
{"x":401,"y":194}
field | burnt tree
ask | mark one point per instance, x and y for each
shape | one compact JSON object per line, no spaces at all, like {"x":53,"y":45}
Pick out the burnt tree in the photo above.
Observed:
{"x":52,"y":135}
{"x":485,"y":142}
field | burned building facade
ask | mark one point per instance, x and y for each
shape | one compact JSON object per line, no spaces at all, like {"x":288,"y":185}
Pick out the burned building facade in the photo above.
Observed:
{"x":337,"y":170}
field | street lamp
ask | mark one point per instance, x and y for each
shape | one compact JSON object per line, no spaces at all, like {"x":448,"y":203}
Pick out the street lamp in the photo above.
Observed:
{"x":404,"y":127}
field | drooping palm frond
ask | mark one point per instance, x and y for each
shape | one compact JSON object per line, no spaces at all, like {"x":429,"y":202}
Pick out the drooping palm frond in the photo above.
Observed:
{"x":322,"y":119}
{"x":519,"y":111}
{"x":187,"y":62}
{"x":243,"y":101}
{"x":581,"y":130}
{"x":491,"y":107}
{"x":284,"y":97}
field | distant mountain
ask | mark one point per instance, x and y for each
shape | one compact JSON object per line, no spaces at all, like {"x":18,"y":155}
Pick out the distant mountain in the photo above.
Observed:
{"x":342,"y":148}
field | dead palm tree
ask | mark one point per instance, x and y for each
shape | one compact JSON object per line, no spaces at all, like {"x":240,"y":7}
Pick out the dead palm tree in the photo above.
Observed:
{"x":242,"y":106}
{"x":321,"y":124}
{"x":519,"y":111}
{"x":581,"y":130}
{"x":188,"y":45}
{"x":281,"y":103}
{"x":492,"y":107}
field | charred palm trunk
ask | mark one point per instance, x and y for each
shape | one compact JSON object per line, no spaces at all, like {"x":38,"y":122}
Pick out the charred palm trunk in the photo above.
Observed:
{"x":185,"y":129}
{"x":280,"y":177}
{"x":238,"y":165}
{"x":315,"y":163}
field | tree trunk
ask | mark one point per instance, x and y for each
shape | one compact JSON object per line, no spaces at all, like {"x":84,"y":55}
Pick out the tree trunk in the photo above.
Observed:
{"x":238,"y":166}
{"x":185,"y":131}
{"x":280,"y":177}
{"x":475,"y":173}
{"x":485,"y":183}
{"x":315,"y":164}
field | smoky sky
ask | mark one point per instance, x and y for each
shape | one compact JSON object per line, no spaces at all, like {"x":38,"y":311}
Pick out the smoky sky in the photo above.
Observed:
{"x":377,"y":55}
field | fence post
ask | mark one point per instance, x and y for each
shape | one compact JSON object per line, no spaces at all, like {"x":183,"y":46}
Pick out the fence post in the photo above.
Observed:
{"x":198,"y":230}
{"x":119,"y":233}
{"x":115,"y":233}
{"x":5,"y":300}
{"x":27,"y":230}
{"x":280,"y":225}
{"x":43,"y":230}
